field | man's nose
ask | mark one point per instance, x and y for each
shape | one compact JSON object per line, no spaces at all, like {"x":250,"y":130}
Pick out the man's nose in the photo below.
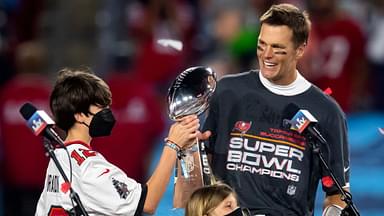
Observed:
{"x":268,"y":52}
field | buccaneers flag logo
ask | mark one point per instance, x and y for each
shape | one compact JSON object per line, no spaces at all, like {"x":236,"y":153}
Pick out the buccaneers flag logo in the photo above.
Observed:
{"x":242,"y":126}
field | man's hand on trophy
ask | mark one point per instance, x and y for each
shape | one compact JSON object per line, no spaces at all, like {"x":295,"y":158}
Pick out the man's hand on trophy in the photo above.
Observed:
{"x":204,"y":136}
{"x":184,"y":131}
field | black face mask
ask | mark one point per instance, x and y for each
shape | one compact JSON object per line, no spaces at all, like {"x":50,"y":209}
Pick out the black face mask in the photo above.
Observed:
{"x":237,"y":212}
{"x":102,"y":123}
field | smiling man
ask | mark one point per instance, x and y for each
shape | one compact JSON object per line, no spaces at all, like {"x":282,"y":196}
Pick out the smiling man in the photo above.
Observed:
{"x":272,"y":168}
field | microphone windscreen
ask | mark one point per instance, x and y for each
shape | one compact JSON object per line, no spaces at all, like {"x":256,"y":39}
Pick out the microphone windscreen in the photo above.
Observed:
{"x":27,"y":110}
{"x":290,"y":110}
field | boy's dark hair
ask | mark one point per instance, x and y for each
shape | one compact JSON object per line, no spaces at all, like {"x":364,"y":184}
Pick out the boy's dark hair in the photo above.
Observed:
{"x":73,"y":92}
{"x":291,"y":16}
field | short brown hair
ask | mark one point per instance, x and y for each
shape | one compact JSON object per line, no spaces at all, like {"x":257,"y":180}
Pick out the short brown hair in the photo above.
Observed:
{"x":291,"y":16}
{"x":74,"y":92}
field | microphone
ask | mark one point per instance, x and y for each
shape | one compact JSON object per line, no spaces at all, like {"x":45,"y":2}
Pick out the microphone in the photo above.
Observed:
{"x":40,"y":123}
{"x":303,"y":121}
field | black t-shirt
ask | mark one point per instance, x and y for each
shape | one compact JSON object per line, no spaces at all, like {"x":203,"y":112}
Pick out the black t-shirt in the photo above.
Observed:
{"x":271,"y":167}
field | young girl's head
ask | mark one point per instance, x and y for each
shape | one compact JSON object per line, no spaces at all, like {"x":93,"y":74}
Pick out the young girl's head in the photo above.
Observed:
{"x":213,"y":200}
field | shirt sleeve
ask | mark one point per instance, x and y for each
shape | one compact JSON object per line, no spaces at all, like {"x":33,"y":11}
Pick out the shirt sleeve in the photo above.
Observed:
{"x":107,"y":190}
{"x":336,"y":154}
{"x":140,"y":207}
{"x":211,"y":123}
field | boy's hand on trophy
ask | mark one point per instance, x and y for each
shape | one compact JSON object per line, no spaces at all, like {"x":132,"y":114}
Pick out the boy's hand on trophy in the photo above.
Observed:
{"x":184,"y":131}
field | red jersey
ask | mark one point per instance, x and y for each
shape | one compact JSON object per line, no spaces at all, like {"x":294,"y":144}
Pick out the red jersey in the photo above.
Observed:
{"x":23,"y":152}
{"x":139,"y":123}
{"x":339,"y":48}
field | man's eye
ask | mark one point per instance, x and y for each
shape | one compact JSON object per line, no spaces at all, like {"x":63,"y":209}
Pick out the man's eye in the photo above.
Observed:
{"x":260,"y":48}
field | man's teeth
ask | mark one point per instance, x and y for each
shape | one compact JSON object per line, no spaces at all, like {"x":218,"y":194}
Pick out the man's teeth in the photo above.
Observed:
{"x":268,"y":64}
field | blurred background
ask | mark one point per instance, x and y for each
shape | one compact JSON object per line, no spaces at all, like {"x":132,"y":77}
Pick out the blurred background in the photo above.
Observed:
{"x":117,"y":40}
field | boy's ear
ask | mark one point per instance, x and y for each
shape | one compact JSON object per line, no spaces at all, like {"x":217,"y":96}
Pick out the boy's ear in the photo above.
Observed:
{"x":79,"y":117}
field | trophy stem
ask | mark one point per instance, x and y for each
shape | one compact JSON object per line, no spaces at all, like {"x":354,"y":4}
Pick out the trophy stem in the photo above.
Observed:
{"x":192,"y":172}
{"x":206,"y":171}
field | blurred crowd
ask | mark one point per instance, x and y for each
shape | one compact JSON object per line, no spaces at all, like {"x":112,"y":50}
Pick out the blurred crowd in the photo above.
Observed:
{"x":118,"y":40}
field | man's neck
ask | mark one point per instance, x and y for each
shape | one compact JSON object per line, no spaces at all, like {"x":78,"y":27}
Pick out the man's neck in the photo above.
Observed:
{"x":297,"y":86}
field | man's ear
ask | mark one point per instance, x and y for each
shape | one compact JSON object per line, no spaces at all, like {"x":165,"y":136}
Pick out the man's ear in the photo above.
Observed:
{"x":300,"y":50}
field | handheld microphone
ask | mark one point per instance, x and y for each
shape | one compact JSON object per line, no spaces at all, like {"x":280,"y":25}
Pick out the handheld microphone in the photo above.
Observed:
{"x":303,"y":121}
{"x":39,"y":122}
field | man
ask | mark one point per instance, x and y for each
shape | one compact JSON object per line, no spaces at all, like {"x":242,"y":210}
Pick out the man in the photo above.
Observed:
{"x":80,"y":104}
{"x":272,"y":168}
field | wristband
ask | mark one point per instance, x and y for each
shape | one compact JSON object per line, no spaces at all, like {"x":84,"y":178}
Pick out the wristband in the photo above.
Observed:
{"x":174,"y":146}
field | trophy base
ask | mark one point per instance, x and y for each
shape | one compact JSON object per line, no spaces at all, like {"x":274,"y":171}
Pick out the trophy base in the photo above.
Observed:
{"x":184,"y":189}
{"x":185,"y":186}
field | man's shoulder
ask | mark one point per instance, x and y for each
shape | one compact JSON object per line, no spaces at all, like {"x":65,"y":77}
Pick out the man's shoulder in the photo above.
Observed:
{"x":237,"y":76}
{"x":323,"y":95}
{"x":238,"y":80}
{"x":324,"y":101}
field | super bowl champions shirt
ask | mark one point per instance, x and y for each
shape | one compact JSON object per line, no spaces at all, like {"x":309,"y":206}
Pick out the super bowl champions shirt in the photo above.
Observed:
{"x":271,"y":167}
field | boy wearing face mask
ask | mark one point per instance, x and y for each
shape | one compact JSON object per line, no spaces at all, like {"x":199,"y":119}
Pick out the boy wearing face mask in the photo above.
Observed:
{"x":80,"y":104}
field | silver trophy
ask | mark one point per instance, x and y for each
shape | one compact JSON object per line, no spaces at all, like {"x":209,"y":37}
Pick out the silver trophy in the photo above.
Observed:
{"x":190,"y":94}
{"x":191,"y":91}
